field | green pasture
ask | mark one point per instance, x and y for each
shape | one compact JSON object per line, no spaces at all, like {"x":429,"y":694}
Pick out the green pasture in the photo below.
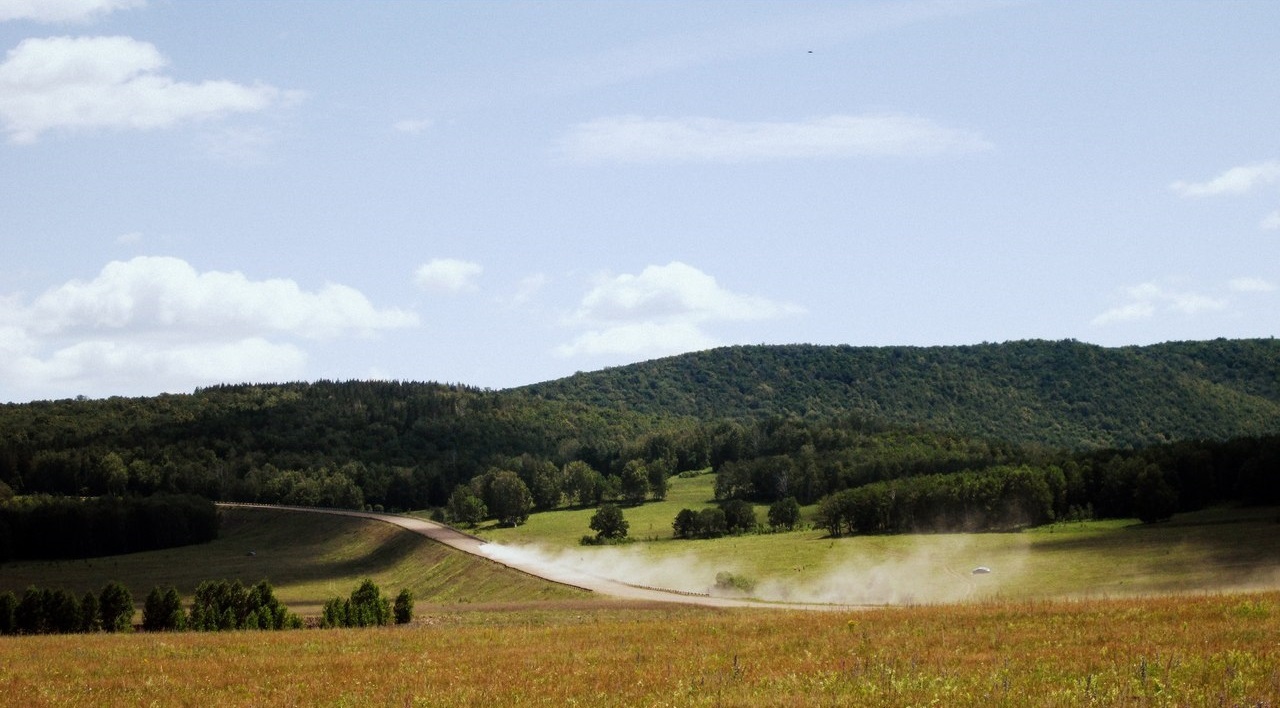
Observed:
{"x":307,"y":557}
{"x":1218,"y":549}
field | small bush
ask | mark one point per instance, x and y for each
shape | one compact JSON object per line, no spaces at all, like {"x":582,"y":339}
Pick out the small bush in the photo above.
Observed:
{"x":403,"y":608}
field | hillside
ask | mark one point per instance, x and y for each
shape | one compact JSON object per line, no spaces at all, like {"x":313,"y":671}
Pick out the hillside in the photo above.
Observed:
{"x":403,"y":445}
{"x":1062,"y":394}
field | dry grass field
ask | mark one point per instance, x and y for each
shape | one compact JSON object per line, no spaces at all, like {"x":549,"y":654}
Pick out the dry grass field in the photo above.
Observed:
{"x":485,"y":635}
{"x":1176,"y":651}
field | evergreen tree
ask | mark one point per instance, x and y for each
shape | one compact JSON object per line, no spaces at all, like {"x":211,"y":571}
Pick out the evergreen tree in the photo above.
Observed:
{"x":403,"y":609}
{"x":115,"y":607}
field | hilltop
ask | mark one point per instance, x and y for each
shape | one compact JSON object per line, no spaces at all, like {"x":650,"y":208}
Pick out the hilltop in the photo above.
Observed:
{"x":1060,"y":394}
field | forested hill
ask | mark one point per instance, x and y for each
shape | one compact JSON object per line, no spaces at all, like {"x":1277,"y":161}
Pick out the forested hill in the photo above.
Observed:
{"x":1064,"y":394}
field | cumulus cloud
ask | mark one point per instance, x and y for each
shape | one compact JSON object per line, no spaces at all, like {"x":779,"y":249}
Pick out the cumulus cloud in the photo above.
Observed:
{"x":55,"y":11}
{"x":696,"y":139}
{"x":448,"y":275}
{"x":1236,"y":180}
{"x":663,"y":310}
{"x":158,"y":322}
{"x":109,"y":82}
{"x":1150,"y":299}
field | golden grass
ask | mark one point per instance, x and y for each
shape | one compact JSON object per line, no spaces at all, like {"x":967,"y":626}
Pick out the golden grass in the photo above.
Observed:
{"x":1207,"y":650}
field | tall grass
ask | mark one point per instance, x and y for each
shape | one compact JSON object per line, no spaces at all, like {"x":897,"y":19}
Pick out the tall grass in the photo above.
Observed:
{"x":1211,"y":650}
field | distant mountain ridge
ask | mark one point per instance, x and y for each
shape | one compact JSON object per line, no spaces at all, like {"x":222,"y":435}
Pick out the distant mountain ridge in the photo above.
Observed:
{"x":1057,"y":393}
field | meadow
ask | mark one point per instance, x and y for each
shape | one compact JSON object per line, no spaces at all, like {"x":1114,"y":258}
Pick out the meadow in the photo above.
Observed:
{"x":1207,"y":551}
{"x":1172,"y":651}
{"x":1094,"y":613}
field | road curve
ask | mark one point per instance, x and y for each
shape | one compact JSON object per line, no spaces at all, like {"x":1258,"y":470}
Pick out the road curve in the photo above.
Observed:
{"x":467,"y":543}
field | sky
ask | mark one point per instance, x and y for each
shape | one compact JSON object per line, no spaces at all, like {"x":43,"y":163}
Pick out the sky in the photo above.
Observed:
{"x":195,"y":192}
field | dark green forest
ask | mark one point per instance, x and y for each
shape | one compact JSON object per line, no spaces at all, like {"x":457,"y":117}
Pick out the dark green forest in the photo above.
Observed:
{"x":889,"y":439}
{"x":1063,"y":394}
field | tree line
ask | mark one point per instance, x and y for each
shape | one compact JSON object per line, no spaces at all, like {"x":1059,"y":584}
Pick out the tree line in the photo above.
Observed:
{"x":218,"y":605}
{"x":43,"y":527}
{"x":46,"y":611}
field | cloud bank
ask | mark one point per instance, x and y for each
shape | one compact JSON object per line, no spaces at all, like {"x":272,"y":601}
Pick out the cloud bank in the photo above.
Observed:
{"x":662,"y":310}
{"x":634,"y":139}
{"x":157,"y":323}
{"x":79,"y":83}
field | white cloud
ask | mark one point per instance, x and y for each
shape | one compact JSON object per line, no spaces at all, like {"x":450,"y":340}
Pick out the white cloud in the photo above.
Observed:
{"x":695,"y":139}
{"x":157,"y":323}
{"x":154,"y":294}
{"x":1271,"y":222}
{"x":109,"y":82}
{"x":62,"y":10}
{"x":129,"y":239}
{"x":447,"y":275}
{"x":1251,"y":285}
{"x":663,"y":310}
{"x":1148,"y":300}
{"x":1236,"y":180}
{"x":412,"y":126}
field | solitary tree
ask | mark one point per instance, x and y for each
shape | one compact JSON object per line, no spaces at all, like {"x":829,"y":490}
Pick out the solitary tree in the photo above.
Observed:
{"x":609,"y":524}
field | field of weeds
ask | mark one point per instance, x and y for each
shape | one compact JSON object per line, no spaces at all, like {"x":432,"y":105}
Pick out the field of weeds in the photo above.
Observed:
{"x":1206,"y":650}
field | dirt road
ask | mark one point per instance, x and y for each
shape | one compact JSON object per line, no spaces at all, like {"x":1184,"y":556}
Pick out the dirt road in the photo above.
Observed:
{"x":565,"y":576}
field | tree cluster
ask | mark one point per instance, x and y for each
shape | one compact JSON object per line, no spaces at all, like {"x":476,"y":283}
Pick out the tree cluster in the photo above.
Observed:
{"x":43,"y":527}
{"x":57,"y":611}
{"x":734,"y":516}
{"x":222,"y":605}
{"x":367,"y":607}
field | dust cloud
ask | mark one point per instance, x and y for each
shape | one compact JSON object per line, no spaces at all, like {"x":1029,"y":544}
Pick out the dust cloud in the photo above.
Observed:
{"x":928,"y":570}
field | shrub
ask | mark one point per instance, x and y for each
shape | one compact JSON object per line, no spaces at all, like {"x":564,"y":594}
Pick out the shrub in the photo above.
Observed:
{"x":609,"y":523}
{"x":367,"y":607}
{"x":403,"y":608}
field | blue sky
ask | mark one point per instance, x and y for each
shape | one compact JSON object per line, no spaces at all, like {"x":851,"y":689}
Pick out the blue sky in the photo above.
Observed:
{"x":499,"y":193}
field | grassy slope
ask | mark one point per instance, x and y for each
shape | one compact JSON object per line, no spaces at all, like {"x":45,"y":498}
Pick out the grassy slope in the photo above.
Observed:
{"x":307,"y":557}
{"x":1210,"y":550}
